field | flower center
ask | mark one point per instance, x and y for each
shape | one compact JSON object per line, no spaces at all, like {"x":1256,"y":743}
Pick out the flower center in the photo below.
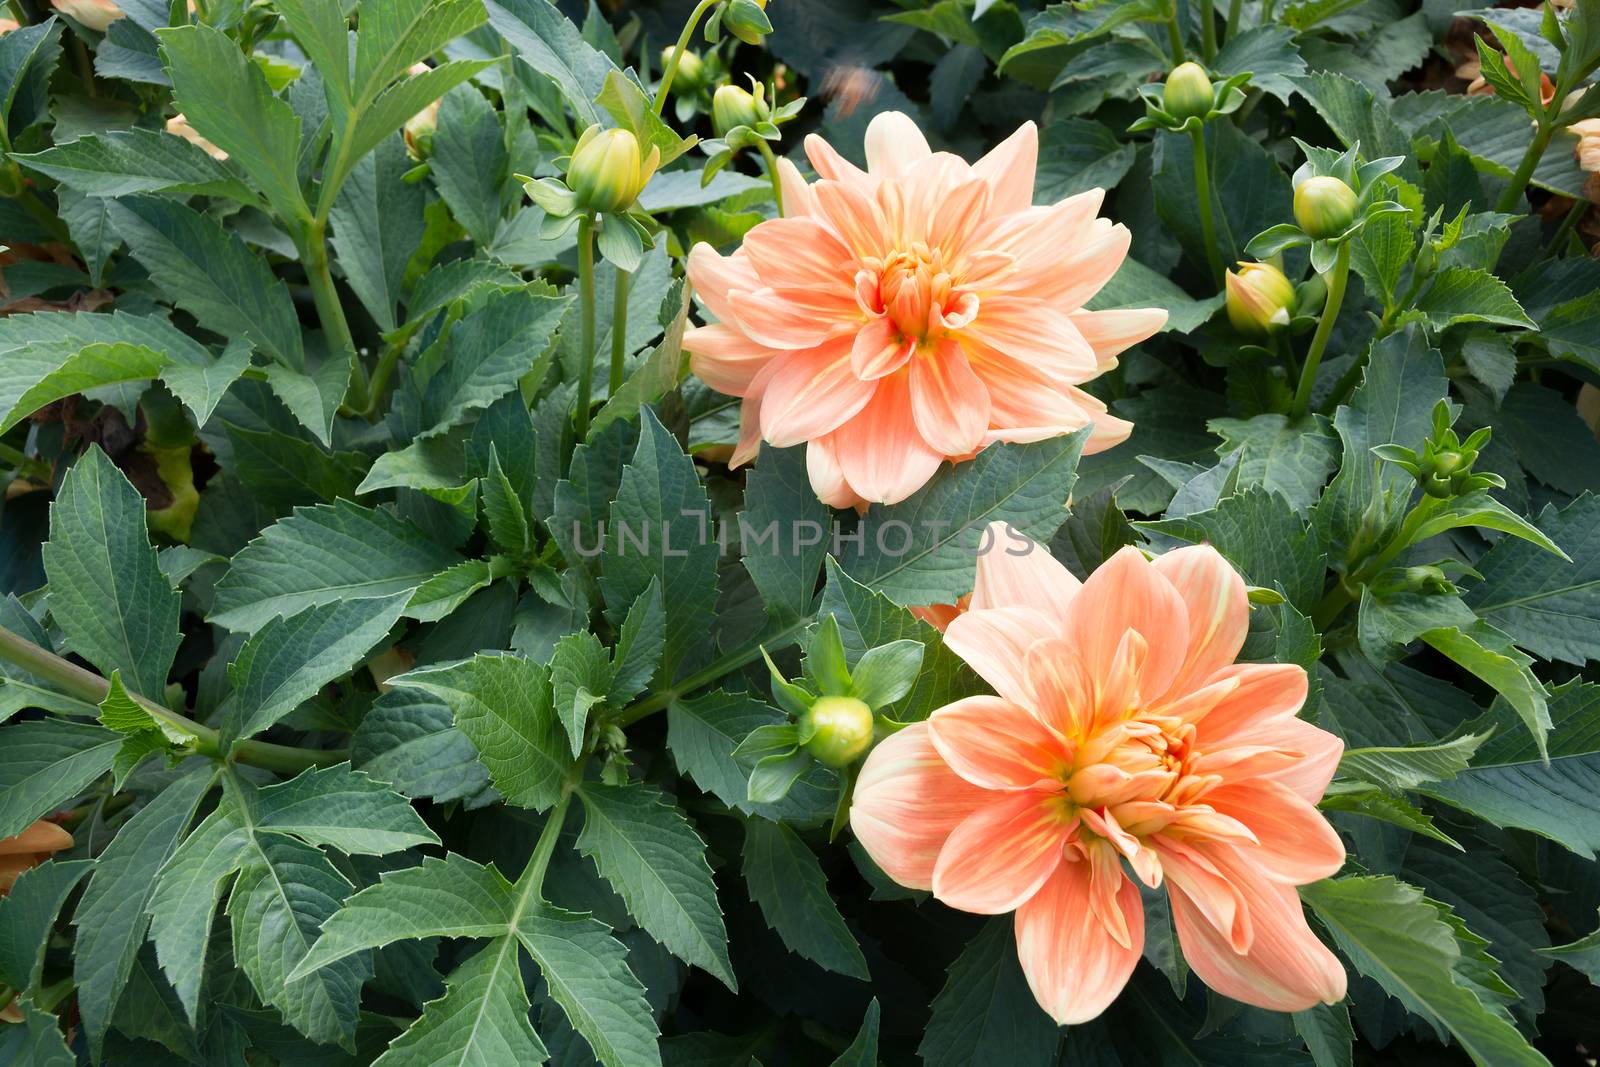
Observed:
{"x":918,"y":293}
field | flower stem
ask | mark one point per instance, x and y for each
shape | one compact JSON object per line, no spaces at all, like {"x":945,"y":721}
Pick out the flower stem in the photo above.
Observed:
{"x":727,"y":664}
{"x":1233,"y":20}
{"x":531,"y":881}
{"x":1175,"y":34}
{"x":87,"y":686}
{"x":1208,"y":29}
{"x":677,"y":54}
{"x":1511,"y":199}
{"x":1579,"y":208}
{"x":1344,"y":594}
{"x":586,"y":347}
{"x":380,"y":379}
{"x":1319,"y":340}
{"x":330,"y":312}
{"x":619,"y":331}
{"x":772,"y":174}
{"x":1202,"y":188}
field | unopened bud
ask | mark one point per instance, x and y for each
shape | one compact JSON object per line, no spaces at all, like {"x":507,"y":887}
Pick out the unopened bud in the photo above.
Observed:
{"x":1188,"y":92}
{"x":691,"y":74}
{"x":1324,"y":206}
{"x":732,"y":107}
{"x":606,"y":172}
{"x":840,"y":729}
{"x":1260,"y":298}
{"x":746,"y":20}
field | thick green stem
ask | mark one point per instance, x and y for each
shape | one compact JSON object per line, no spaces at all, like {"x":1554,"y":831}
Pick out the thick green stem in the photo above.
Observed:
{"x":1208,"y":29}
{"x":1202,"y":189}
{"x":586,"y":348}
{"x":772,"y":174}
{"x":87,"y":686}
{"x":677,"y":54}
{"x":36,"y":209}
{"x":530,"y":883}
{"x":1233,"y":20}
{"x":1511,"y":199}
{"x":619,"y":332}
{"x":330,"y":312}
{"x":1579,"y":208}
{"x":1319,"y":340}
{"x":380,"y":379}
{"x":1175,"y":34}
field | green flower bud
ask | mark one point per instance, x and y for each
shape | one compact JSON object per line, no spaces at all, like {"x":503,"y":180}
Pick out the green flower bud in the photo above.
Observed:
{"x":606,"y":172}
{"x":1187,"y":93}
{"x":747,"y":20}
{"x":840,"y":730}
{"x":1324,"y":207}
{"x":732,"y":107}
{"x":691,"y":74}
{"x":1260,"y":299}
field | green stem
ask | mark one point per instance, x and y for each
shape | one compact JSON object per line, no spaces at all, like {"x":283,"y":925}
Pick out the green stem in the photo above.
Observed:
{"x":723,"y":666}
{"x":531,"y":882}
{"x":1319,"y":340}
{"x":330,"y":312}
{"x":1208,"y":29}
{"x":387,"y":362}
{"x":1202,"y":188}
{"x":1511,"y":199}
{"x":619,"y":332}
{"x":36,"y":209}
{"x":772,"y":174}
{"x":677,"y":54}
{"x":1345,"y":593}
{"x":1233,"y":20}
{"x":586,"y":347}
{"x":1345,"y":385}
{"x":1175,"y":34}
{"x":87,"y":686}
{"x":1285,"y":349}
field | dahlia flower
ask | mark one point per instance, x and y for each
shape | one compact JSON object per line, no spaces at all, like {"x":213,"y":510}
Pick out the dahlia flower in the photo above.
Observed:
{"x":1122,"y":731}
{"x":98,"y":15}
{"x":29,"y":849}
{"x":913,"y":312}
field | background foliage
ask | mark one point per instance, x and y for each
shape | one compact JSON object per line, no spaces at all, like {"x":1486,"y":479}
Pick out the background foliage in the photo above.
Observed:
{"x":370,"y":758}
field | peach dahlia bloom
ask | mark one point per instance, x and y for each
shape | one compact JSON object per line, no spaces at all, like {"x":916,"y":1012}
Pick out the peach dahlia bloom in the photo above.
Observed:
{"x":1122,"y":731}
{"x":29,"y":849}
{"x":913,"y":312}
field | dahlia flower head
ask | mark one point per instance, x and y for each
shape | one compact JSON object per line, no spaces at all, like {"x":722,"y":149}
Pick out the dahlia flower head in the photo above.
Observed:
{"x":1123,"y":742}
{"x":913,"y":312}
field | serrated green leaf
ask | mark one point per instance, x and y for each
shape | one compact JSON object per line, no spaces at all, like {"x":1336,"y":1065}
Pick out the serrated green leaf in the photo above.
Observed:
{"x":504,"y":508}
{"x":46,"y":762}
{"x":284,"y":892}
{"x":377,"y":223}
{"x":226,"y":99}
{"x":27,"y":913}
{"x":639,"y":646}
{"x":660,"y":530}
{"x":985,"y":1013}
{"x":91,"y":367}
{"x":120,"y":162}
{"x":787,"y":884}
{"x":783,"y":533}
{"x":449,"y":589}
{"x":1582,"y":955}
{"x":863,"y":1051}
{"x":448,"y":897}
{"x":324,"y":554}
{"x":396,"y":104}
{"x":1290,"y":459}
{"x":1489,"y":655}
{"x":1510,"y":785}
{"x":586,"y":971}
{"x":409,"y":739}
{"x":37,"y":1041}
{"x":552,"y":46}
{"x":1025,"y":486}
{"x":580,"y":675}
{"x":340,"y":808}
{"x":1466,"y":294}
{"x":481,"y":1021}
{"x":503,"y":704}
{"x":111,"y":919}
{"x":290,"y":658}
{"x":1400,"y":769}
{"x":107,"y":591}
{"x":1326,"y":1031}
{"x":1551,"y":606}
{"x":185,"y":900}
{"x":210,"y":273}
{"x":649,"y":852}
{"x":1409,"y":946}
